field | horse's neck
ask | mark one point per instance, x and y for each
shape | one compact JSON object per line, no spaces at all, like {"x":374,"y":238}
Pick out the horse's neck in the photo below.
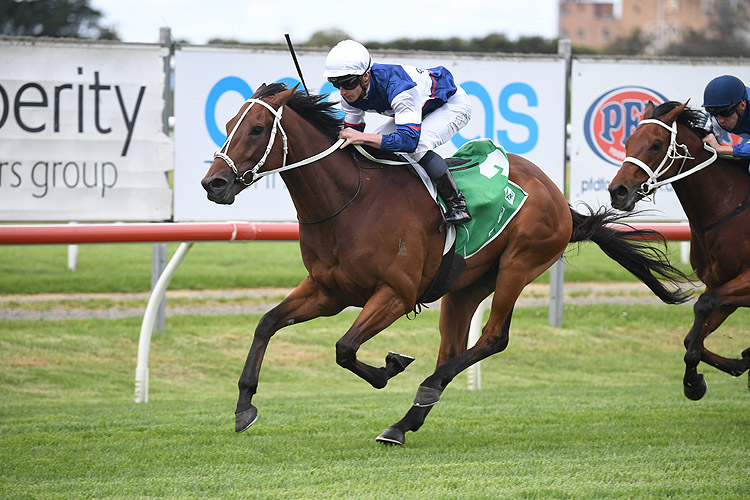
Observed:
{"x":322,"y":188}
{"x":712,"y":192}
{"x":342,"y":186}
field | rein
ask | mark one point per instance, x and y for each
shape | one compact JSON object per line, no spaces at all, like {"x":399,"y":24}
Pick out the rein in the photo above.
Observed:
{"x":737,"y":211}
{"x":359,"y":188}
{"x":653,"y":182}
{"x":256,"y":176}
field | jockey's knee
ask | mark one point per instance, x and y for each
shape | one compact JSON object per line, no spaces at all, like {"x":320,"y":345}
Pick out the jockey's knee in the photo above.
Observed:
{"x":434,"y":164}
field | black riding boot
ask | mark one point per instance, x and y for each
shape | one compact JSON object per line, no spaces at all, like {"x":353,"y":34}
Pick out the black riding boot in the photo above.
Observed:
{"x":455,"y":203}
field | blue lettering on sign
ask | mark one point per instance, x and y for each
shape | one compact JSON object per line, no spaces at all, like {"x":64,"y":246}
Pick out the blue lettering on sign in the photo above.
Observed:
{"x":633,"y":112}
{"x":614,"y":114}
{"x":601,"y":184}
{"x":476,"y":89}
{"x":327,"y":88}
{"x":596,"y":185}
{"x":612,"y":119}
{"x":291,"y":82}
{"x":519,"y":118}
{"x":228,"y":84}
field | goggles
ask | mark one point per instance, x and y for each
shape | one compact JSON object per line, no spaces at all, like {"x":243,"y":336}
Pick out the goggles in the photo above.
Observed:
{"x":724,"y":111}
{"x":345,"y":82}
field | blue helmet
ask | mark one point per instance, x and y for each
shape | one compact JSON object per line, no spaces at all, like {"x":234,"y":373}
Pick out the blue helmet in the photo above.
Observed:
{"x":723,"y":91}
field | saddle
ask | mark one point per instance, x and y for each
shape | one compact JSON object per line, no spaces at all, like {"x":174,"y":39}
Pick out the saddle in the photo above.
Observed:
{"x":480,"y":169}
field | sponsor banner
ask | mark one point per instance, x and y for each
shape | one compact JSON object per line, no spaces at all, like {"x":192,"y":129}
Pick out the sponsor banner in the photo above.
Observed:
{"x":81,"y":134}
{"x":518,"y":102}
{"x":607,"y":101}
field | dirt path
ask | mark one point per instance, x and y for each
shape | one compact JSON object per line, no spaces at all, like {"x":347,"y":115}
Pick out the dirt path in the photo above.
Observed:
{"x":245,"y":301}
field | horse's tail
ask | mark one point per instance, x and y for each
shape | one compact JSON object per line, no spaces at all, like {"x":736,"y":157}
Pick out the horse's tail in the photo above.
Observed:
{"x":630,"y":248}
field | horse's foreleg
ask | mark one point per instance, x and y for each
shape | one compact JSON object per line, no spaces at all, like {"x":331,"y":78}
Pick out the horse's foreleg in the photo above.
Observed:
{"x":306,"y":302}
{"x":380,"y":311}
{"x":711,"y":309}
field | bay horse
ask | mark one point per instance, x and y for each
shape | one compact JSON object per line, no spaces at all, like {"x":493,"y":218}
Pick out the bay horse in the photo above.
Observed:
{"x":714,"y":192}
{"x":370,"y":236}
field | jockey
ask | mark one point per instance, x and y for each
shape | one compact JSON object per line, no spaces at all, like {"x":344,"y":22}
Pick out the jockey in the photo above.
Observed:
{"x":426,"y":106}
{"x":725,"y":100}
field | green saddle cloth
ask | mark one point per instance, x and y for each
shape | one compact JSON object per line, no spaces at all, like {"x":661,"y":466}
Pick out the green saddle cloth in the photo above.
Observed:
{"x":492,"y":200}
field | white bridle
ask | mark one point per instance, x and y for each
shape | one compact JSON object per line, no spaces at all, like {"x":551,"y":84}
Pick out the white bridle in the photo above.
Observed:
{"x":254,"y":171}
{"x":653,"y":182}
{"x":223,"y":152}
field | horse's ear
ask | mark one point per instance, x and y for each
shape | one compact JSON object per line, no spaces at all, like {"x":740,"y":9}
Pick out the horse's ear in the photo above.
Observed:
{"x":672,"y":115}
{"x":283,"y":97}
{"x":648,"y":111}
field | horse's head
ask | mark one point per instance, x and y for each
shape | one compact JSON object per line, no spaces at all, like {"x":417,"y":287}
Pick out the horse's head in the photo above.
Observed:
{"x":253,"y":145}
{"x":648,"y":153}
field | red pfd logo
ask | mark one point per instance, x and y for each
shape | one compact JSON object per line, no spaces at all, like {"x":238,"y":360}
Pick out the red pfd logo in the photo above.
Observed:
{"x":613,"y":117}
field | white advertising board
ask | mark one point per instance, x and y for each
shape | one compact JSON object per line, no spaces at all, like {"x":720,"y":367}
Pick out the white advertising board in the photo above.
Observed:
{"x":518,"y":102}
{"x":607,"y":100}
{"x":81,"y":134}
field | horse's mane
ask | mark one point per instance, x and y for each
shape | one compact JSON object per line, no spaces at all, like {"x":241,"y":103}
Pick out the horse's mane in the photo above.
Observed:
{"x":321,"y":114}
{"x":694,"y":119}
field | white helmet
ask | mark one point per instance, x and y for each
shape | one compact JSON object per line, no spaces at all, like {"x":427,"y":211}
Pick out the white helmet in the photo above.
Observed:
{"x":347,"y":58}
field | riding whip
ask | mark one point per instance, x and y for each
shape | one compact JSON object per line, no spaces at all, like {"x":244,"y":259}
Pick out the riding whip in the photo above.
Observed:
{"x":294,"y":57}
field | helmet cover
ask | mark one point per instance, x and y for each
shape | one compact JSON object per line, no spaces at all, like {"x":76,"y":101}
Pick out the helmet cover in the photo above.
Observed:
{"x":347,"y":58}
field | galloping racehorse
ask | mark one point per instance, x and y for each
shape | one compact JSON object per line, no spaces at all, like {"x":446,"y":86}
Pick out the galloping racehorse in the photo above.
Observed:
{"x":357,"y":256}
{"x":667,"y":147}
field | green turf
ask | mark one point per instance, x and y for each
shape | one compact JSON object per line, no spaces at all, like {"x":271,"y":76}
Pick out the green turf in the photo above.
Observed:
{"x":31,"y":269}
{"x":594,"y":410}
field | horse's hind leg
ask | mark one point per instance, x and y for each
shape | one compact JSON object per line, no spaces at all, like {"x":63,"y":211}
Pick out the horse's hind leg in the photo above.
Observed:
{"x":380,"y":311}
{"x":306,"y":302}
{"x":456,"y":311}
{"x":494,"y":339}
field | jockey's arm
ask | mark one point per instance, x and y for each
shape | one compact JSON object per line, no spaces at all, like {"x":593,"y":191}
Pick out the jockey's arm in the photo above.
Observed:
{"x":722,"y":149}
{"x":354,"y":137}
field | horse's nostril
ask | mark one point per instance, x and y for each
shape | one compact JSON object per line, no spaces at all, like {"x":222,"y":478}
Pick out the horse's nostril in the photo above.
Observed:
{"x":214,"y":185}
{"x":618,"y":193}
{"x":218,"y":184}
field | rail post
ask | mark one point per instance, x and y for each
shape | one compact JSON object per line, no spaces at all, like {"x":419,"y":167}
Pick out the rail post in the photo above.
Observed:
{"x":147,"y":326}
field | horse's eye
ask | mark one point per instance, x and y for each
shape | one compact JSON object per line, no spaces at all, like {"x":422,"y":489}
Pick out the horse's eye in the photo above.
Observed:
{"x":256,"y":130}
{"x":656,"y":147}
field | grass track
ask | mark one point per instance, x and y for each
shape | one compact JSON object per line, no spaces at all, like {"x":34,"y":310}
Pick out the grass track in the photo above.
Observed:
{"x":33,"y":269}
{"x":594,"y":410}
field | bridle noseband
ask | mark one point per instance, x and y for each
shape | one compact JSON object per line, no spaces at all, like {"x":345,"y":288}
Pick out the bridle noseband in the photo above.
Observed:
{"x":255,"y":176}
{"x":653,"y":182}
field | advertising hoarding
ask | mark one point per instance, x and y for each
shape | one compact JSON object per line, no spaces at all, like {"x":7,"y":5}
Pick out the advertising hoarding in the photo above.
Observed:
{"x":518,"y":102}
{"x":81,"y":132}
{"x":608,"y":97}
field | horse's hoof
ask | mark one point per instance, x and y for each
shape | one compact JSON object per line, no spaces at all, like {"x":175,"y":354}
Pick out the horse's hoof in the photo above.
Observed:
{"x":391,"y":436}
{"x":245,"y":419}
{"x":697,"y":390}
{"x":395,"y":363}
